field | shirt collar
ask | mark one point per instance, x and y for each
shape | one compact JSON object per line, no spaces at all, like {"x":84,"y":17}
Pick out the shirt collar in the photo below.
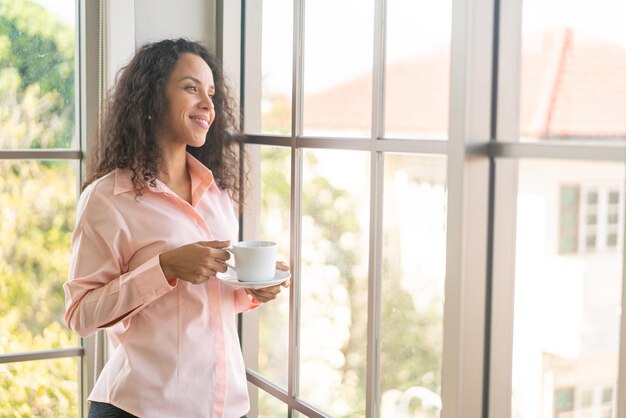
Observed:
{"x":123,"y":181}
{"x":200,"y":175}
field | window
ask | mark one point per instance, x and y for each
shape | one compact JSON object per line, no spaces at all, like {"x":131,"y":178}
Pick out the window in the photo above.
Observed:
{"x":607,"y":395}
{"x":568,"y":267}
{"x":40,"y":162}
{"x":455,"y":190}
{"x":569,"y":305}
{"x":591,"y":220}
{"x":450,"y":195}
{"x":563,"y":401}
{"x":586,"y":399}
{"x":596,"y":219}
{"x":363,"y":229}
{"x":607,"y":407}
{"x":613,"y":218}
{"x":603,"y":218}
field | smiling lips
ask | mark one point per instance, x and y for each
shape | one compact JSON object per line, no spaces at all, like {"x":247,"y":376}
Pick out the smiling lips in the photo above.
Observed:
{"x":201,"y":121}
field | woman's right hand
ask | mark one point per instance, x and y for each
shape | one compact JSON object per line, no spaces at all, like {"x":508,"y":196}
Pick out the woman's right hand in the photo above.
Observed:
{"x":195,"y":263}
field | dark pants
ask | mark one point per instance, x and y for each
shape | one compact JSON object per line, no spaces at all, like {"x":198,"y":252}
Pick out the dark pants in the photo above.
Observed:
{"x":106,"y":410}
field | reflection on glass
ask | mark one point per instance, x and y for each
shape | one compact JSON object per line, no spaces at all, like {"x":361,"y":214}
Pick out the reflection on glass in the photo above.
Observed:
{"x":274,"y":226}
{"x":567,"y":289}
{"x":573,"y":65}
{"x":333,"y":321}
{"x":413,"y":272}
{"x":44,"y":388}
{"x":37,"y":75}
{"x":38,"y":212}
{"x":338,"y":67}
{"x":268,"y":97}
{"x":417,"y":72}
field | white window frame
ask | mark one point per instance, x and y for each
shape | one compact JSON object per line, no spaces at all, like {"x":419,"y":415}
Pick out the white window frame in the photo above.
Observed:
{"x":483,"y":153}
{"x":469,"y":168}
{"x":507,"y":151}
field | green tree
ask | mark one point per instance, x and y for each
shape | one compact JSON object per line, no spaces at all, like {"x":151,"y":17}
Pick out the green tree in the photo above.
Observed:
{"x":412,"y":345}
{"x":37,"y":201}
{"x":35,"y":232}
{"x":37,"y":61}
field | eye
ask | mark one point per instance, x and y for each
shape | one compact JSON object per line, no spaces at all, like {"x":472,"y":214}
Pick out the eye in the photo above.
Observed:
{"x":192,"y":89}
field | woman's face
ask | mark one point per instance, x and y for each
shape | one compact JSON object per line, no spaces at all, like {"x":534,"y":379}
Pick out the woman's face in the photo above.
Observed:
{"x":189,"y":92}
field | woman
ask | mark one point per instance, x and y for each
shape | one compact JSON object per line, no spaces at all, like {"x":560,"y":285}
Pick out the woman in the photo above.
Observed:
{"x":152,"y":224}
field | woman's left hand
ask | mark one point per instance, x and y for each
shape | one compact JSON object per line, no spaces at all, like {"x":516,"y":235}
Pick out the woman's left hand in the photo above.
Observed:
{"x":269,"y":293}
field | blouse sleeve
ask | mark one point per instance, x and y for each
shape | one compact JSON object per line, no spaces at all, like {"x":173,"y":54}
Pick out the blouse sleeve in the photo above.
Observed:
{"x":245,"y":302}
{"x":99,"y":290}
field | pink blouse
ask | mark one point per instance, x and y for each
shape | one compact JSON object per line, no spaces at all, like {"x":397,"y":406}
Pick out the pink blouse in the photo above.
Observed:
{"x":177,"y":354}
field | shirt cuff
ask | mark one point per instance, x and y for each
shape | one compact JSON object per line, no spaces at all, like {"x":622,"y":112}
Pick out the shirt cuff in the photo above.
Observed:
{"x":151,"y":282}
{"x":245,"y":302}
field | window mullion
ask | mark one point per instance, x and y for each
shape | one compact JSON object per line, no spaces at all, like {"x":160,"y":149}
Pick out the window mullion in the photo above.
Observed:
{"x":621,"y":384}
{"x":372,"y":389}
{"x":505,"y":208}
{"x":467,"y":208}
{"x":296,"y":201}
{"x":89,"y":62}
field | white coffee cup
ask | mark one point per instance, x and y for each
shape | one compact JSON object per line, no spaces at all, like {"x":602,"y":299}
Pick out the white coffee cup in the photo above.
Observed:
{"x":255,"y":261}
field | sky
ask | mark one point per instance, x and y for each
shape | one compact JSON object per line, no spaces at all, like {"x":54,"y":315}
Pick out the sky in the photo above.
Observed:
{"x":63,"y":9}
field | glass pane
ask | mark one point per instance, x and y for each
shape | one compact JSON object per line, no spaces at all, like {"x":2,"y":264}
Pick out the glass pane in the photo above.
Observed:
{"x":274,"y":224}
{"x":417,"y":73}
{"x":269,"y":67}
{"x":36,"y":224}
{"x":607,"y":395}
{"x":37,"y":74}
{"x":564,"y":400}
{"x":413,"y":272}
{"x":270,"y":407}
{"x":338,"y":67}
{"x":333,"y":320}
{"x":567,"y":305}
{"x":573,"y":65}
{"x":44,"y":388}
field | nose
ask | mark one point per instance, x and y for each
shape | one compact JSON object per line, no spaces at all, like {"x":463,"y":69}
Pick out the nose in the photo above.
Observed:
{"x":206,"y":102}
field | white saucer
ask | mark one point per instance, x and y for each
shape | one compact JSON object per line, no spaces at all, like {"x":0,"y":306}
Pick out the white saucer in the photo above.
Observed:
{"x":230,"y":278}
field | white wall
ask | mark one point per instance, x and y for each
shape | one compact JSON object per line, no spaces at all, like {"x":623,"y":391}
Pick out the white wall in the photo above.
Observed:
{"x":160,"y":19}
{"x":131,"y":23}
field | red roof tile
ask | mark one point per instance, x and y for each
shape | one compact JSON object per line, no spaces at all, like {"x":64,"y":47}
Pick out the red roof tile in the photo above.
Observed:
{"x":573,"y":86}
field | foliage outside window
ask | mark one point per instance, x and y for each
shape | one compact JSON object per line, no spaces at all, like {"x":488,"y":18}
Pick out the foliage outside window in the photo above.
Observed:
{"x":37,"y":111}
{"x":334,"y":197}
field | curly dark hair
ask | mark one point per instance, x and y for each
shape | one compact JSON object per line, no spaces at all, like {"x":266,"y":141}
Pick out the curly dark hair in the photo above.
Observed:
{"x":127,"y":138}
